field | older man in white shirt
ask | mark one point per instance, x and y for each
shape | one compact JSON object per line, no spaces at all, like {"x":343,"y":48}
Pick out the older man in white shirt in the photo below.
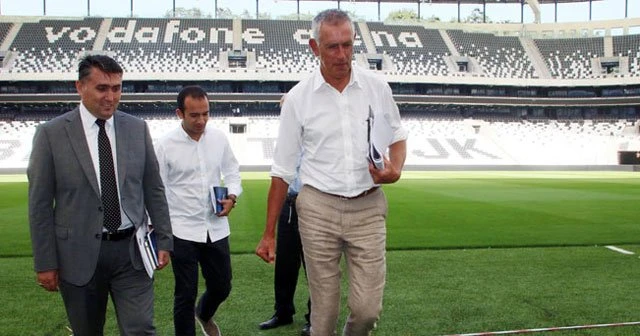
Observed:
{"x":341,"y":208}
{"x":193,"y":159}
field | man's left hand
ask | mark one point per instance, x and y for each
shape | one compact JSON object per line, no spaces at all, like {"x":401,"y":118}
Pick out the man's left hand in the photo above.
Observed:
{"x":163,"y":259}
{"x":384,"y":176}
{"x":227,"y":205}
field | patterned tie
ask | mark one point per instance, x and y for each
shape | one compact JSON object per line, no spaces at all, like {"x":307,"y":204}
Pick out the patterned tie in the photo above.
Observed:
{"x":108,"y":185}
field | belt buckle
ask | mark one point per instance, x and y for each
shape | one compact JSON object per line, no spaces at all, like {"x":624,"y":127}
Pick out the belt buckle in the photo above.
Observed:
{"x":108,"y":236}
{"x":117,"y":235}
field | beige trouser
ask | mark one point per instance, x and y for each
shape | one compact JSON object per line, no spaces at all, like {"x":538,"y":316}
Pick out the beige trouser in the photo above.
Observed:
{"x":329,"y":227}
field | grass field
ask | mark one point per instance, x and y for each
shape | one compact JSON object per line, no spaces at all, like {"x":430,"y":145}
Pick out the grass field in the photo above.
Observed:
{"x":469,"y":252}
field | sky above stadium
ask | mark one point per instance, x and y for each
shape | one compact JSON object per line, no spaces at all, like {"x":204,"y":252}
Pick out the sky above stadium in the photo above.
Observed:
{"x":575,"y":12}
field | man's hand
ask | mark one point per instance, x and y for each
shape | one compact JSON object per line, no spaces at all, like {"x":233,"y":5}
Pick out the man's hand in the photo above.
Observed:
{"x":266,"y":249}
{"x":163,"y":259}
{"x":227,"y":205}
{"x":387,"y":175}
{"x":277,"y":193}
{"x":48,"y":280}
{"x":392,"y":166}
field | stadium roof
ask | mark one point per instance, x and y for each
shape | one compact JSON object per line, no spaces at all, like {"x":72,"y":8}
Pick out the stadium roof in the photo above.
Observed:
{"x":459,"y":1}
{"x":534,"y":4}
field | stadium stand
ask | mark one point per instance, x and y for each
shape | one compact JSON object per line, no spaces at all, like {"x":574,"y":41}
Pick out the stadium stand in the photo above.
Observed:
{"x":508,"y":115}
{"x":499,"y":57}
{"x":52,"y":45}
{"x":628,"y":46}
{"x":168,"y":46}
{"x":570,"y":58}
{"x":4,"y":30}
{"x":414,"y":50}
{"x":283,"y":47}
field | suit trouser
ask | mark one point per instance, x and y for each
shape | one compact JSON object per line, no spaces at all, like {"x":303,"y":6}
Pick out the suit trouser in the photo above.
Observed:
{"x":215,"y":263}
{"x":331,"y":226}
{"x":131,"y":292}
{"x":289,"y":258}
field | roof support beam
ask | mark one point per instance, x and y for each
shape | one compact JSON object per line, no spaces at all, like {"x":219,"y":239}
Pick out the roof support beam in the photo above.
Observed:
{"x":535,"y":7}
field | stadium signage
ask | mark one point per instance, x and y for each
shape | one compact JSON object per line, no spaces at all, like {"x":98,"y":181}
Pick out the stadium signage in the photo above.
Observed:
{"x":407,"y":39}
{"x":173,"y":32}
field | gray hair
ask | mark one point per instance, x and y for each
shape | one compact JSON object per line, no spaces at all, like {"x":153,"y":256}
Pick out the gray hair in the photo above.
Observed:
{"x":330,"y":16}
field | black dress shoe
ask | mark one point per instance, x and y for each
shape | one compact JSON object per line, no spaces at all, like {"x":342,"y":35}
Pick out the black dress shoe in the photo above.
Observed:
{"x":275,"y":321}
{"x":306,"y":330}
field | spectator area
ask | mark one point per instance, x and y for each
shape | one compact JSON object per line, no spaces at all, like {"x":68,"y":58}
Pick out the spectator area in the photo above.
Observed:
{"x":164,"y":45}
{"x":628,"y":45}
{"x":4,"y":30}
{"x":499,"y":56}
{"x":282,"y":47}
{"x":414,"y":50}
{"x":52,"y":45}
{"x":570,"y":58}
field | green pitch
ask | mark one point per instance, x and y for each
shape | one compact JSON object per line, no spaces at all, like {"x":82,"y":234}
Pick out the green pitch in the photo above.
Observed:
{"x":469,"y":252}
{"x":442,"y":210}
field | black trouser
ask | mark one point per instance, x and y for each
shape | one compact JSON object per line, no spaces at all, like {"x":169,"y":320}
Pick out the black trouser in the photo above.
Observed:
{"x":215,"y":262}
{"x":289,"y":257}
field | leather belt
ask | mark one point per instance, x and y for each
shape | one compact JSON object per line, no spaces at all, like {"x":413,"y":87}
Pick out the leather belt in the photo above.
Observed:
{"x":360,"y":195}
{"x":118,"y":235}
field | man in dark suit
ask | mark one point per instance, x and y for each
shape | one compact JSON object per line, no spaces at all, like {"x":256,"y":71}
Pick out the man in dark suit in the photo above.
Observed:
{"x":86,"y":200}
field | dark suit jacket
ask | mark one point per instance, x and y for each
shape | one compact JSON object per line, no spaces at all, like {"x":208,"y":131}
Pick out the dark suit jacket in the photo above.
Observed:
{"x":65,"y":208}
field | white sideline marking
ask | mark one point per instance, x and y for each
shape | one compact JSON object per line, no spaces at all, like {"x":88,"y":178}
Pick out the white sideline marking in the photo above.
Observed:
{"x":529,"y":331}
{"x":619,"y":250}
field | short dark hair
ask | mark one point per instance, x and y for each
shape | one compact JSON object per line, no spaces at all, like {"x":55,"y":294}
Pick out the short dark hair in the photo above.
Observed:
{"x":103,"y":62}
{"x":192,"y":91}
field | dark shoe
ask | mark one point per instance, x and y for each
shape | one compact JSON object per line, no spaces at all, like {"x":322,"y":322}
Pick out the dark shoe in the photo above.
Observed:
{"x":275,"y":321}
{"x":306,"y":330}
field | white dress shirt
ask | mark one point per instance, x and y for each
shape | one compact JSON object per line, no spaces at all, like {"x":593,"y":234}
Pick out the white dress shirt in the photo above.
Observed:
{"x":330,"y":128}
{"x":91,"y":133}
{"x":189,"y":169}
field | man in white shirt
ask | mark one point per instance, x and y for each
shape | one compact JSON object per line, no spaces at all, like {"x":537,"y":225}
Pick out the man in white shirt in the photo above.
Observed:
{"x":341,"y":209}
{"x":193,"y":158}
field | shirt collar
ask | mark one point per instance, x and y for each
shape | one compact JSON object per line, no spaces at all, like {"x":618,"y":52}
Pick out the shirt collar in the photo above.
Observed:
{"x":89,"y":120}
{"x":319,"y":82}
{"x":185,"y":136}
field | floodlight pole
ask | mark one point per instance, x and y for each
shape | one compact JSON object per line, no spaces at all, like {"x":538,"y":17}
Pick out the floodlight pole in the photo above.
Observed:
{"x":626,"y":9}
{"x":44,"y":7}
{"x":88,"y":7}
{"x":131,"y":8}
{"x":257,"y":12}
{"x":484,"y":11}
{"x":379,"y":10}
{"x":174,"y":8}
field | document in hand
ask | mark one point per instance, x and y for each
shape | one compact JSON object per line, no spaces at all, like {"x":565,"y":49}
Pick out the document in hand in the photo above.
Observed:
{"x":148,"y":247}
{"x":217,"y":193}
{"x":380,"y":136}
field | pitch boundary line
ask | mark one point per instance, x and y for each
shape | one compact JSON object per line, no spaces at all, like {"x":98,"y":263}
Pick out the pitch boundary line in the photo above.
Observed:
{"x":619,"y":250}
{"x":527,"y":331}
